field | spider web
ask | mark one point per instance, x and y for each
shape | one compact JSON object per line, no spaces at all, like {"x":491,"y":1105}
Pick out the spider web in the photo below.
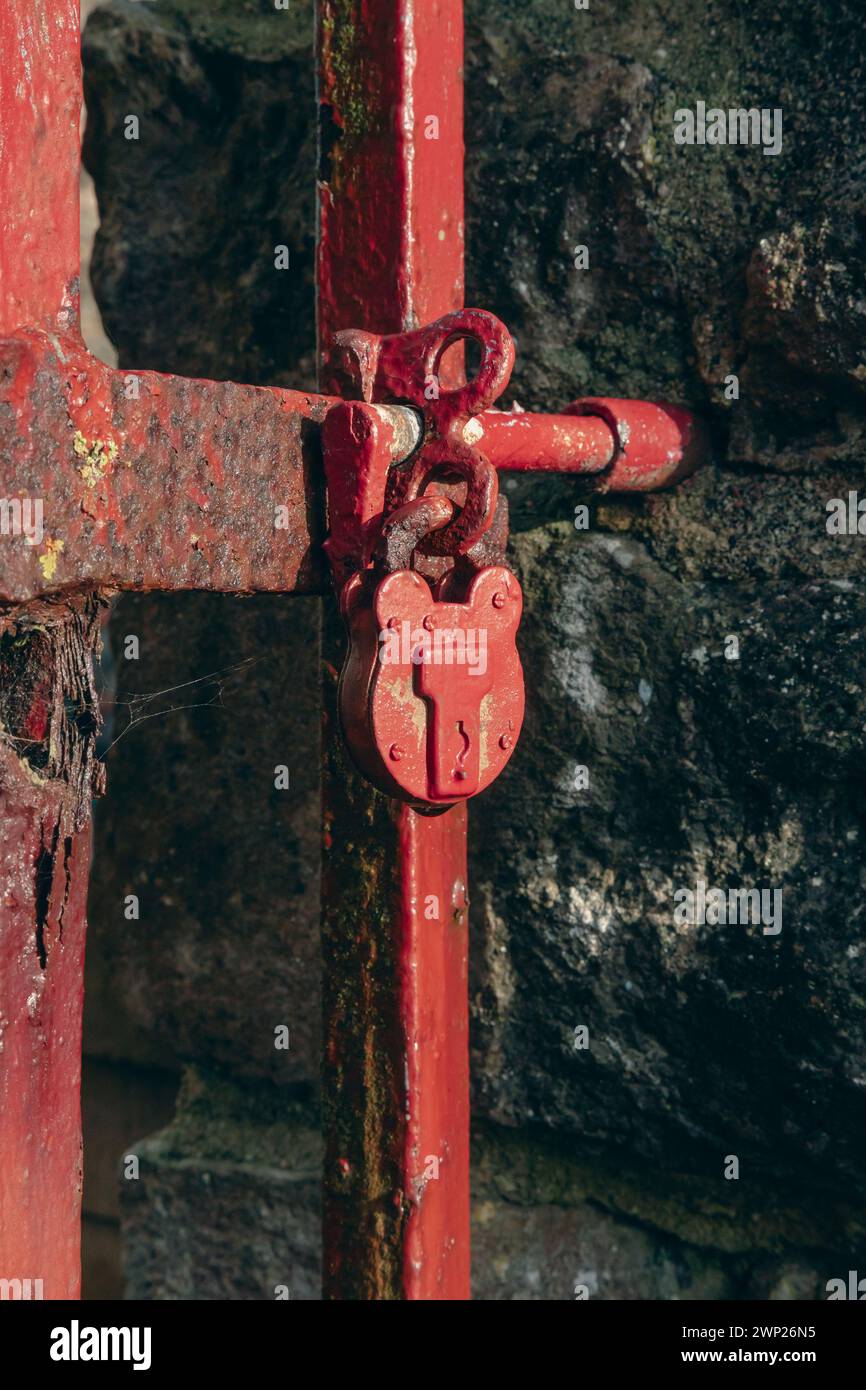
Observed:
{"x":140,"y":706}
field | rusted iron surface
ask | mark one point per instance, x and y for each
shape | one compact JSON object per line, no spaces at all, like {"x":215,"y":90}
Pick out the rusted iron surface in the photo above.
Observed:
{"x":407,"y":367}
{"x":155,"y":482}
{"x":396,"y":1072}
{"x":49,"y":710}
{"x":360,"y":444}
{"x":149,"y":481}
{"x":403,"y":530}
{"x":431,"y":694}
{"x":637,"y":445}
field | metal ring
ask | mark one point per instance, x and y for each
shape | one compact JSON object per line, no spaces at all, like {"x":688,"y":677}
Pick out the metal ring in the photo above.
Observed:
{"x":494,"y":371}
{"x":406,"y":483}
{"x":406,"y":527}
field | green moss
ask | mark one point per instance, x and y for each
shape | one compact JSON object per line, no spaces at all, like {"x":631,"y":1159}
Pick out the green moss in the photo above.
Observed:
{"x":346,"y":62}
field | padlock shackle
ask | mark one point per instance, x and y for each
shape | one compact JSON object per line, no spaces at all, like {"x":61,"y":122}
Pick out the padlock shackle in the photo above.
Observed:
{"x":406,"y":527}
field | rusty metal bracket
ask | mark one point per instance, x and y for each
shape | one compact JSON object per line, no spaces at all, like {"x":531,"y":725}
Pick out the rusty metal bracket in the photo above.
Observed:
{"x":376,"y":463}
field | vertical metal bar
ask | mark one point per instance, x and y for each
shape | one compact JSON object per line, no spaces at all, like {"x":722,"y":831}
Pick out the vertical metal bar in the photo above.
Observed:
{"x":391,"y":151}
{"x":394,"y":884}
{"x":40,"y":109}
{"x":44,"y":854}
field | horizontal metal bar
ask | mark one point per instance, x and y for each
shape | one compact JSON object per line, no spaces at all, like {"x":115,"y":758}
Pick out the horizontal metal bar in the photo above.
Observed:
{"x":522,"y":441}
{"x":639,"y":446}
{"x":133,"y":480}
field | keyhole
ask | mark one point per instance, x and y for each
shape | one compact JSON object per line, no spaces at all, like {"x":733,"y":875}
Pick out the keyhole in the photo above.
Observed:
{"x":460,"y":770}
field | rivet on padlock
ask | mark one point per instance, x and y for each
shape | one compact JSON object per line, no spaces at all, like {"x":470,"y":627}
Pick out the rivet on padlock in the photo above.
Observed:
{"x":431,"y":696}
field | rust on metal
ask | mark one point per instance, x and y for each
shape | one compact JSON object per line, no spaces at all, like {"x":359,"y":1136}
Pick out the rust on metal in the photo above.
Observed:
{"x":155,"y":482}
{"x":407,"y":367}
{"x":431,"y":695}
{"x":159,"y":482}
{"x":403,"y":530}
{"x":49,"y":717}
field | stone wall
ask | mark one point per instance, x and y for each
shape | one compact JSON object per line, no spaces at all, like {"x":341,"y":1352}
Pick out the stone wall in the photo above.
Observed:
{"x":738,"y":763}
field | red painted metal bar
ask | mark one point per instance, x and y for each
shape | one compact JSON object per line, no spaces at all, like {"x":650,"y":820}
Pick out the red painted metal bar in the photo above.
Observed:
{"x":520,"y":441}
{"x":156,"y":482}
{"x":243,"y":512}
{"x":638,"y":446}
{"x":44,"y":845}
{"x":396,"y":1080}
{"x":391,"y":153}
{"x":40,"y":106}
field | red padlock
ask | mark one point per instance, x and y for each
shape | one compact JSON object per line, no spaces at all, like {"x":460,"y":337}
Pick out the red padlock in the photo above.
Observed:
{"x":431,"y":696}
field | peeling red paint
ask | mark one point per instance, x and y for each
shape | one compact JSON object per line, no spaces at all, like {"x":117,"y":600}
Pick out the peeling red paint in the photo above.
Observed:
{"x":44,"y":840}
{"x":186,"y":485}
{"x":40,"y":1031}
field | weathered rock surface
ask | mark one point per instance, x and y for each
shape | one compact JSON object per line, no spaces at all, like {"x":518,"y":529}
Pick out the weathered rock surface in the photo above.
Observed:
{"x":704,"y":1040}
{"x":703,"y":262}
{"x":221,"y":174}
{"x":226,"y":1202}
{"x":225,"y":866}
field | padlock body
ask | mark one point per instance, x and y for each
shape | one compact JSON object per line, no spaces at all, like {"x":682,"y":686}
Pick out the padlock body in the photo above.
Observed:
{"x":431,"y":697}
